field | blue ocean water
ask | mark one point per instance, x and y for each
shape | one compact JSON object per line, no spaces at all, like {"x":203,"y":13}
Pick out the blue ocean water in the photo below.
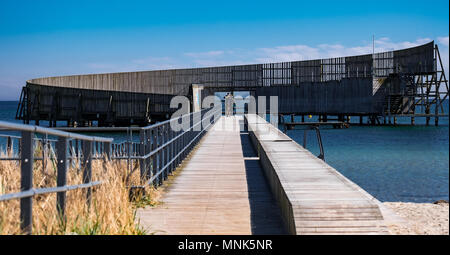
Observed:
{"x":409,"y":164}
{"x":404,"y":163}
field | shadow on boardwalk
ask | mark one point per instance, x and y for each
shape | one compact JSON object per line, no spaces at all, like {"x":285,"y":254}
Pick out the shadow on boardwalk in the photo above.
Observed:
{"x":265,"y":214}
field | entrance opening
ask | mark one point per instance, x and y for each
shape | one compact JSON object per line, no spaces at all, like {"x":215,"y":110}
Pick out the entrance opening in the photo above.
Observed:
{"x":240,"y":99}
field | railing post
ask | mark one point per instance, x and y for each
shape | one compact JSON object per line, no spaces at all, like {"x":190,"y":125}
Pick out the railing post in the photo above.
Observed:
{"x":70,"y":153}
{"x":159,"y":154}
{"x":191,"y":133}
{"x":172,"y":149}
{"x":44,"y":153}
{"x":162,"y":154}
{"x":165,"y":151}
{"x":26,"y":181}
{"x":77,"y":153}
{"x":9,"y":146}
{"x":87,"y":167}
{"x":61,"y":178}
{"x":142,"y":161}
{"x":177,"y":149}
{"x":154,"y":157}
{"x":107,"y":150}
{"x":128,"y":149}
{"x":147,"y":150}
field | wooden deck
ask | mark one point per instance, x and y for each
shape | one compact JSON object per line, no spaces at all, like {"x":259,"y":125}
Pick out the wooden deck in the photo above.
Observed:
{"x":313,"y":196}
{"x":220,"y":190}
{"x":228,"y":187}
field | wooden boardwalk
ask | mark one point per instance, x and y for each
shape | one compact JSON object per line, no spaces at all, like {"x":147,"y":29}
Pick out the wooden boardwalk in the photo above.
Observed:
{"x":228,"y":187}
{"x":314,"y":197}
{"x":220,"y":190}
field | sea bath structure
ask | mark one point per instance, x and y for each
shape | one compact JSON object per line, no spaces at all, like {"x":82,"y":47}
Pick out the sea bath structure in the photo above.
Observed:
{"x":237,"y":174}
{"x":381,"y":87}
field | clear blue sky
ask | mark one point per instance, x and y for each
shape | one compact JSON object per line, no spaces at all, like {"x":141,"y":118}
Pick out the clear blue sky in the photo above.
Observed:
{"x":49,"y":38}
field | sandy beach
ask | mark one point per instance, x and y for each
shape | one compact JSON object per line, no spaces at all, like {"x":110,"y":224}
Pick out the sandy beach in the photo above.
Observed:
{"x":420,"y":218}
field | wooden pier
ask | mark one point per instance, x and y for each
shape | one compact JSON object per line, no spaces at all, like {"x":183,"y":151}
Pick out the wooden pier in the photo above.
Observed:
{"x":226,"y":187}
{"x":221,"y":190}
{"x":334,"y":124}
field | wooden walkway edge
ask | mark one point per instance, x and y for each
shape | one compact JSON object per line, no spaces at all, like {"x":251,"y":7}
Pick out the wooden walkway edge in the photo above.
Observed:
{"x":314,"y":198}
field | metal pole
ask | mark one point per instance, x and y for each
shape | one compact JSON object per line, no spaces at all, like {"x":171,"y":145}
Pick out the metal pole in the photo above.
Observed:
{"x":9,"y":146}
{"x":61,"y":150}
{"x":172,"y":147}
{"x":319,"y":139}
{"x":154,"y":157}
{"x":107,"y":149}
{"x":147,"y":148}
{"x":87,"y":167}
{"x":142,"y":162}
{"x":26,"y":181}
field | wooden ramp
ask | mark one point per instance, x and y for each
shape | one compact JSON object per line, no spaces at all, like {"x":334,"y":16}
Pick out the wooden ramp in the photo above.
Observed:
{"x":313,"y":196}
{"x":220,"y":190}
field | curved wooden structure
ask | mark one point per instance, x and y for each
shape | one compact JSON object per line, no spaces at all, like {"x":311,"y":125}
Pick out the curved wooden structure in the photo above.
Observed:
{"x":381,"y":84}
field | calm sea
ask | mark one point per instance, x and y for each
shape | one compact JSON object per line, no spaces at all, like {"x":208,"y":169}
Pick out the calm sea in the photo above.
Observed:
{"x":407,"y":163}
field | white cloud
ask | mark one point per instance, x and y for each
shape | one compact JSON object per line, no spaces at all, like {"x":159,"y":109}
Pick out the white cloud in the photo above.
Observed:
{"x":304,"y":52}
{"x":205,"y":54}
{"x":287,"y":53}
{"x":149,"y":63}
{"x":443,"y":41}
{"x":267,"y":55}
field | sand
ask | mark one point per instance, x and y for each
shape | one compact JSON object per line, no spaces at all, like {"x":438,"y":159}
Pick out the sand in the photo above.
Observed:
{"x":419,"y":218}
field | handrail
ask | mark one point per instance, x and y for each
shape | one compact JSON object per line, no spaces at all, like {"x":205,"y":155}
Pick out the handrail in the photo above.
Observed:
{"x":163,"y":168}
{"x":161,"y":146}
{"x":41,"y":191}
{"x":159,"y":151}
{"x":63,"y":155}
{"x":50,"y":131}
{"x":170,"y":120}
{"x":319,"y":141}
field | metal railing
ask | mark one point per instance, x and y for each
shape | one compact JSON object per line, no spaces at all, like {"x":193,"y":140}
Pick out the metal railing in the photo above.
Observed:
{"x":157,"y":153}
{"x":319,"y":140}
{"x":67,"y":147}
{"x":161,"y":149}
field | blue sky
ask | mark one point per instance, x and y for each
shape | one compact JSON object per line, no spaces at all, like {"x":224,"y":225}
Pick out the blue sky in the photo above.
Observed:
{"x":50,"y":38}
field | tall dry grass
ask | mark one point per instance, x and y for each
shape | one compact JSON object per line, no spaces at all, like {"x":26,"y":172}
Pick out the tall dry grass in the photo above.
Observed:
{"x":110,"y":211}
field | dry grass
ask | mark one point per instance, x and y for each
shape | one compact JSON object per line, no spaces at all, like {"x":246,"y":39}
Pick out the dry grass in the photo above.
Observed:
{"x":110,"y":212}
